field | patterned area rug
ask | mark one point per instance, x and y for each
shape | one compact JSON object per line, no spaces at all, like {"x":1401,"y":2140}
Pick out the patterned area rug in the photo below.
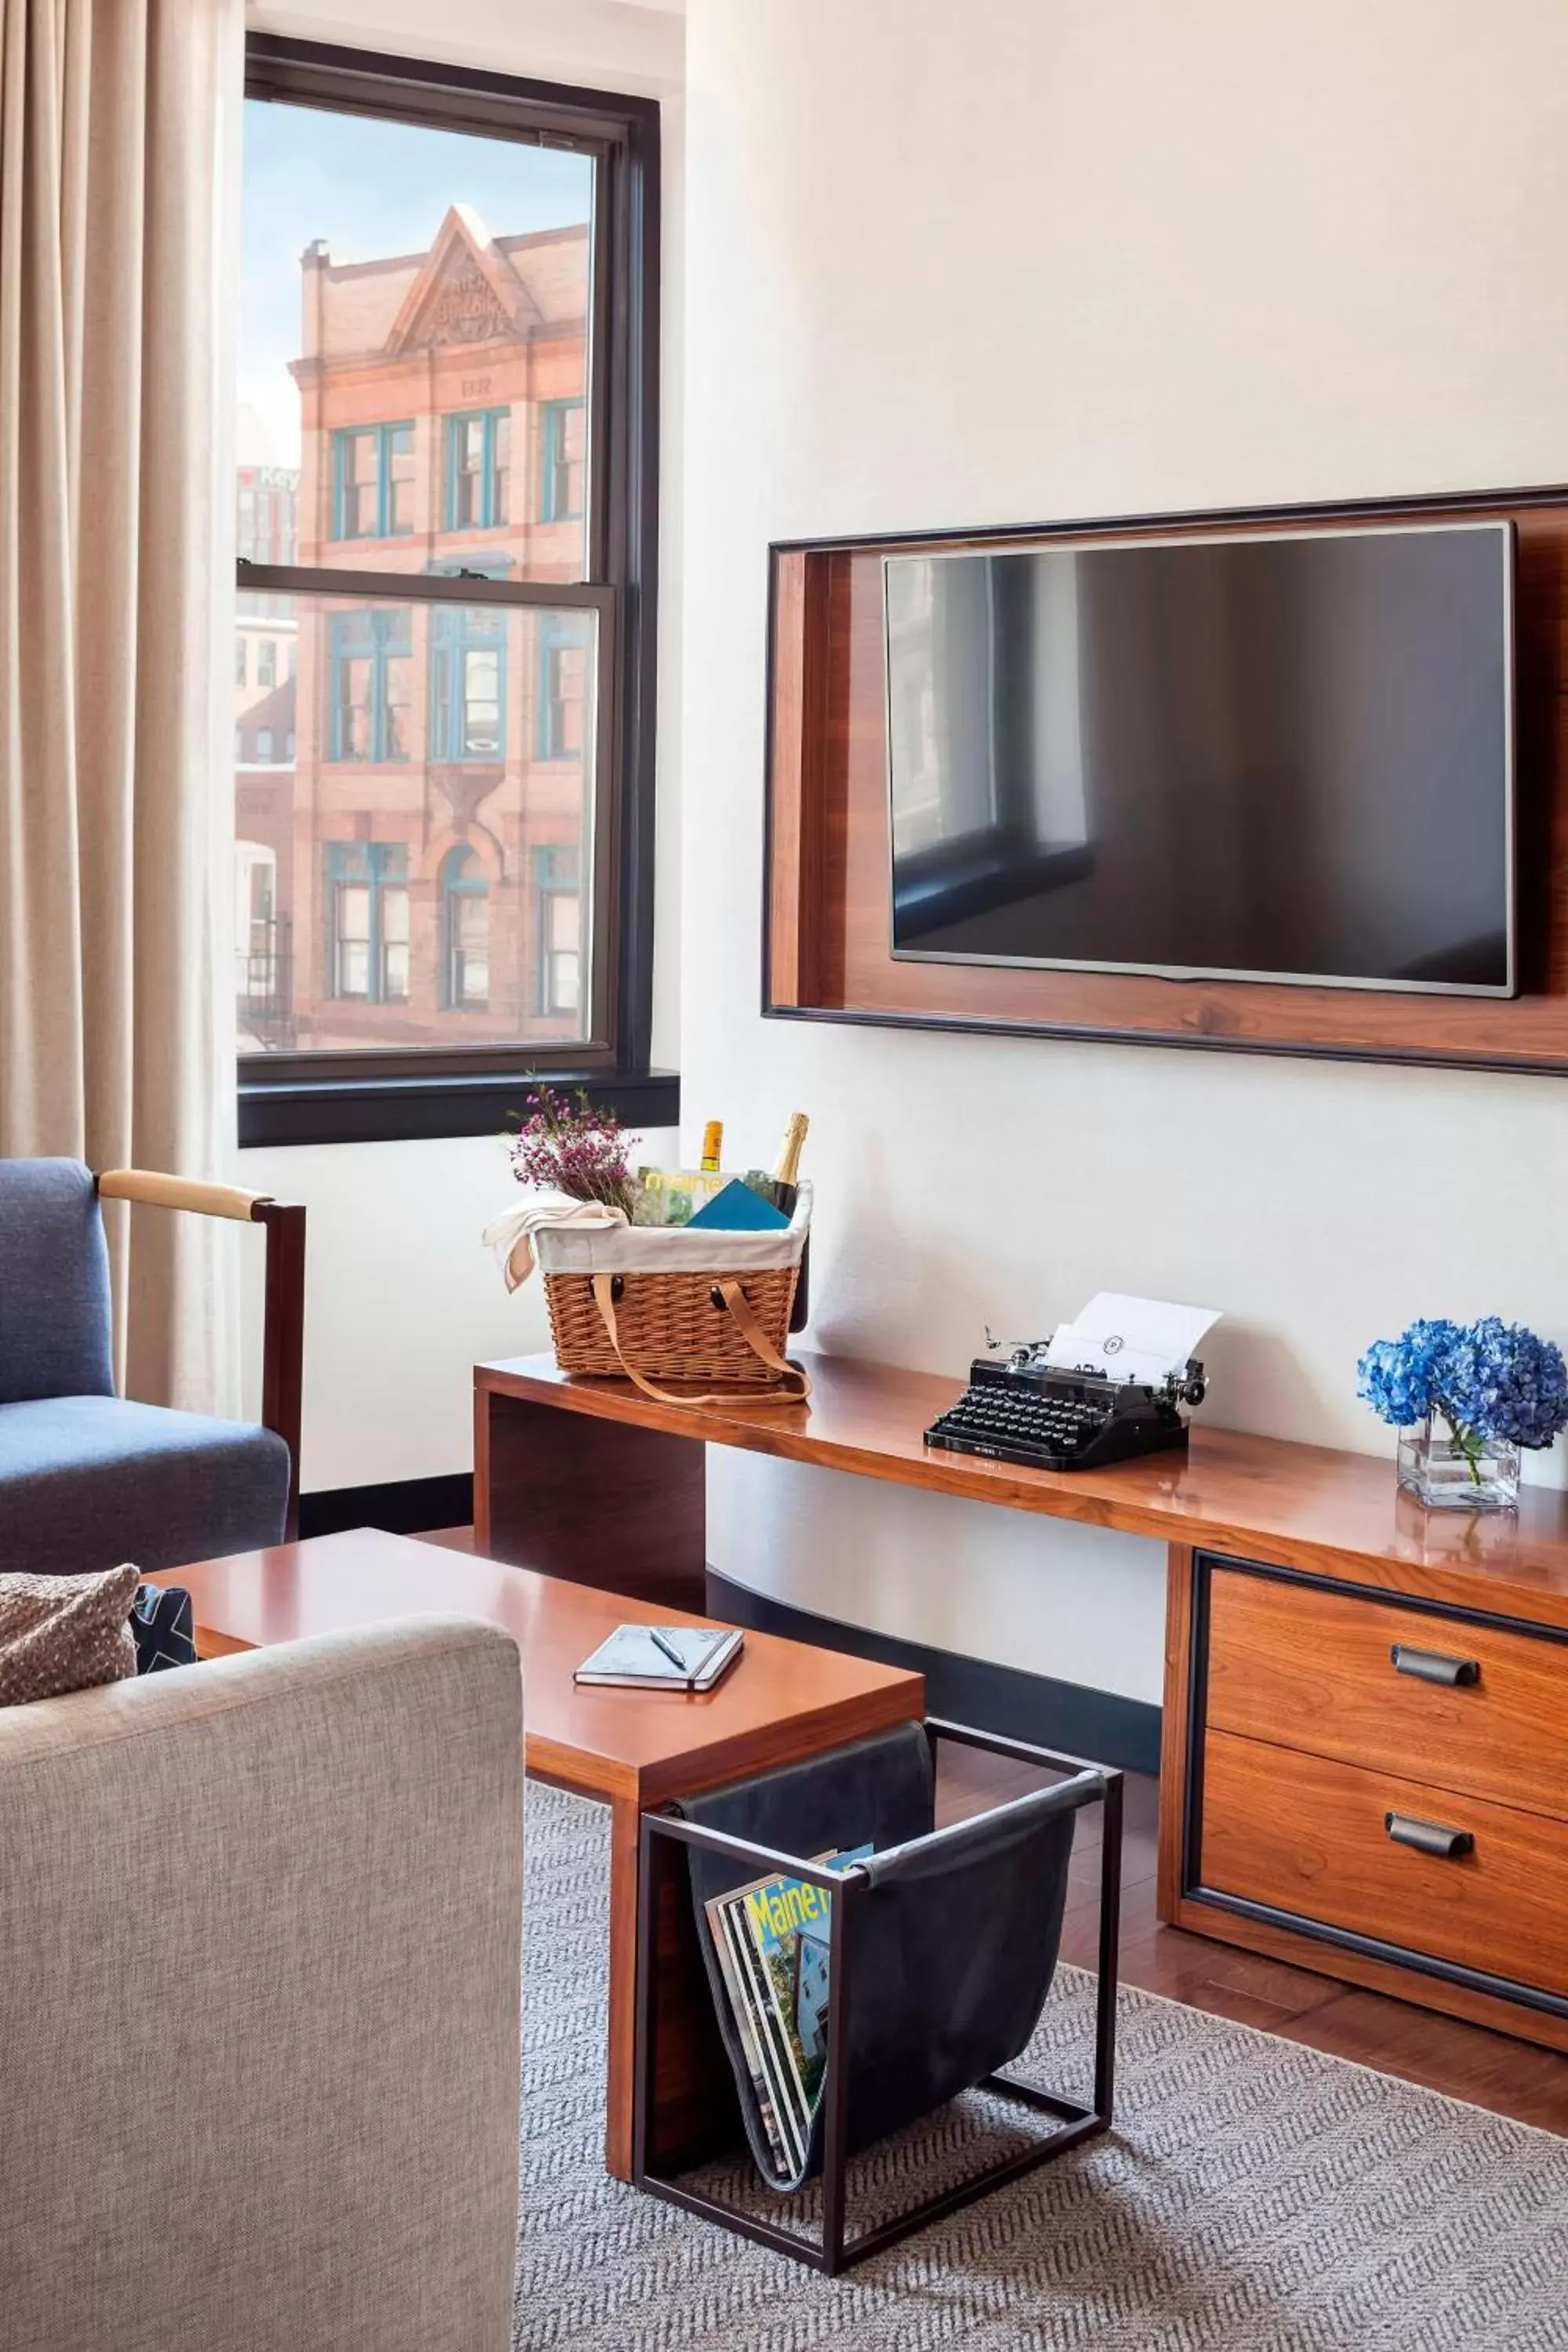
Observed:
{"x":1255,"y":2196}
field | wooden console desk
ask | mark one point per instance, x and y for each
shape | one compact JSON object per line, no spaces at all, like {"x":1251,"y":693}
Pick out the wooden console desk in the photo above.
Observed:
{"x":1291,"y":1734}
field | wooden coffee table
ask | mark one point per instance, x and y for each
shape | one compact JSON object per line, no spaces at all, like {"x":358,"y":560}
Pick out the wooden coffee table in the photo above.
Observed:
{"x":633,"y":1749}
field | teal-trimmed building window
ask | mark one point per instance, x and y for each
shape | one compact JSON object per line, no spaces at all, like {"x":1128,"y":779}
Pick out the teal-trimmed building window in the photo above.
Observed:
{"x":479,"y":469}
{"x":558,"y":929}
{"x":369,"y":664}
{"x":465,"y":933}
{"x":373,"y":481}
{"x":467,"y":682}
{"x":367,"y":922}
{"x":564,"y":455}
{"x":561,"y":730}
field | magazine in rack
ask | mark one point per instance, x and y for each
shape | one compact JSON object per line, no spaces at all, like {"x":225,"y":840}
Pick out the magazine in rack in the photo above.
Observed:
{"x":771,"y":1939}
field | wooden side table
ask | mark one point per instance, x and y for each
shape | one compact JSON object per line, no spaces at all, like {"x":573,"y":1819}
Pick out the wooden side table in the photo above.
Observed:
{"x":633,"y":1750}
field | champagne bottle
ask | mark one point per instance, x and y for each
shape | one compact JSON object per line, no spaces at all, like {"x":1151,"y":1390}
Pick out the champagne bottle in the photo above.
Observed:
{"x":781,"y":1187}
{"x":784,"y":1188}
{"x":786,"y":1175}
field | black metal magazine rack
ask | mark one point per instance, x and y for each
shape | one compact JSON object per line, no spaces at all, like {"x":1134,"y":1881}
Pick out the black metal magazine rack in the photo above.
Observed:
{"x":941,"y":1948}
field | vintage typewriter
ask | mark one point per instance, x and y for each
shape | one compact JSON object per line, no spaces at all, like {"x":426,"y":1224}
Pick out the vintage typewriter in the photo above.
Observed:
{"x":1019,"y":1408}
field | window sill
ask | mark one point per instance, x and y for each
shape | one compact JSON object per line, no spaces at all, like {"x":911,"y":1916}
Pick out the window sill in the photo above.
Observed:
{"x":274,"y":1112}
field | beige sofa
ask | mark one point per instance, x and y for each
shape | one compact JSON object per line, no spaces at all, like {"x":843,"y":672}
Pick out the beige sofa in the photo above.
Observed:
{"x":260,"y":1959}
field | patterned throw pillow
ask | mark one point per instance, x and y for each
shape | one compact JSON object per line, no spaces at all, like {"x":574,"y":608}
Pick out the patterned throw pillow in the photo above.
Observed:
{"x":163,"y":1624}
{"x":60,"y":1633}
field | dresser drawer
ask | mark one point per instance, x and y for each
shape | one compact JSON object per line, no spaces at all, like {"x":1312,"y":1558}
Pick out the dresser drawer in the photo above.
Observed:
{"x":1307,"y":1667}
{"x":1304,"y":1835}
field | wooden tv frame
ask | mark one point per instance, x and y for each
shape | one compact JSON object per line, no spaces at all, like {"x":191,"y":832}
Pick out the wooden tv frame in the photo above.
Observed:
{"x":826,"y":954}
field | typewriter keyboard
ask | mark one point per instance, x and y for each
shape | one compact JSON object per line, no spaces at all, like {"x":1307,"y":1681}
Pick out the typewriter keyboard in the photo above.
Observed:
{"x":1017,"y":1425}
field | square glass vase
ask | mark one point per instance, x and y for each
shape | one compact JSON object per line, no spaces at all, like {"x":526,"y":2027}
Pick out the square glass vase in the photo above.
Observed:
{"x":1482,"y":1474}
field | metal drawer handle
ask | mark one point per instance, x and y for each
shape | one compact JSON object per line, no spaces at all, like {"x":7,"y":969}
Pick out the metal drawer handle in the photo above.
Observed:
{"x":1429,"y":1837}
{"x":1431,"y":1666}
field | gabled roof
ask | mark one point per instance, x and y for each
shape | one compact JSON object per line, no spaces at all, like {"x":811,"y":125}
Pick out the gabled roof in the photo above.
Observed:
{"x":467,"y":291}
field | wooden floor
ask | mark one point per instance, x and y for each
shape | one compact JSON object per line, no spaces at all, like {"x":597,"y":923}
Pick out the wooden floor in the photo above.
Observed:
{"x":1490,"y":2069}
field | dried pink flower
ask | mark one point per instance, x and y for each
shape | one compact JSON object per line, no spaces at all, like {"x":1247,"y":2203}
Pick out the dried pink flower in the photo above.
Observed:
{"x":570,"y":1147}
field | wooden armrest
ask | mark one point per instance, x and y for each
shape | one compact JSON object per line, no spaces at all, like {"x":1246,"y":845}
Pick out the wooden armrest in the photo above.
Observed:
{"x":179,"y":1192}
{"x":283,"y":1333}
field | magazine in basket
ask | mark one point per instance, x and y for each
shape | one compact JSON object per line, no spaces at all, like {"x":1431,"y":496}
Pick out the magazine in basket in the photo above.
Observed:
{"x":771,"y":1939}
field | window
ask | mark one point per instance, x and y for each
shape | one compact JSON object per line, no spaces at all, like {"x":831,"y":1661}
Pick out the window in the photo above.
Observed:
{"x":558,"y":928}
{"x":367,"y":902}
{"x":370,"y":664}
{"x":468,"y":683}
{"x":564,"y":460}
{"x":255,"y":870}
{"x":478,"y":460}
{"x":240,"y":664}
{"x":466,"y":927}
{"x":262,"y":950}
{"x":563,"y":687}
{"x":373,"y":481}
{"x":442,"y":273}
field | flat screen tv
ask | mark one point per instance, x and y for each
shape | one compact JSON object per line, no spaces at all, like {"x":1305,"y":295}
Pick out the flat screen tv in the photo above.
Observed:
{"x":1281,"y":756}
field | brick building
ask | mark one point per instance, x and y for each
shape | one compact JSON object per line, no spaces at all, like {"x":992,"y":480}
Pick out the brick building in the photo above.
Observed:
{"x":424,"y":851}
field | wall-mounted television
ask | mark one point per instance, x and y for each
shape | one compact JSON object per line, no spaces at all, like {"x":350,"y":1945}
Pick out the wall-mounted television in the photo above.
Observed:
{"x":1281,"y":756}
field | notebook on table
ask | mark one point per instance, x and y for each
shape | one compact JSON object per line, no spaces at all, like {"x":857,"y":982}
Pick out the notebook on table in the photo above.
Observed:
{"x":662,"y":1657}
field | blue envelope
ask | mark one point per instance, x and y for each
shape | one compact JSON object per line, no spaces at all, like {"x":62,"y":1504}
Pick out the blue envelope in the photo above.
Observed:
{"x":737,"y":1209}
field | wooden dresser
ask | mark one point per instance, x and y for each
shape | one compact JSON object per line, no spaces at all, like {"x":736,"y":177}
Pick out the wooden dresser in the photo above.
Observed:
{"x":1367,"y":1772}
{"x":1402,"y":1823}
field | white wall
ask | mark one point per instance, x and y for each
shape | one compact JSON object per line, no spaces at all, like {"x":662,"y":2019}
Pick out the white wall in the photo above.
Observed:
{"x":401,"y":1300}
{"x":1023,"y":258}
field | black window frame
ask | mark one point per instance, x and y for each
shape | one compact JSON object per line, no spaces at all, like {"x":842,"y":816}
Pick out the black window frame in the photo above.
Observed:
{"x":390,"y":1093}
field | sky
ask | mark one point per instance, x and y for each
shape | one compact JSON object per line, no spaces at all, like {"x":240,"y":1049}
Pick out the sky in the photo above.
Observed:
{"x":369,"y":188}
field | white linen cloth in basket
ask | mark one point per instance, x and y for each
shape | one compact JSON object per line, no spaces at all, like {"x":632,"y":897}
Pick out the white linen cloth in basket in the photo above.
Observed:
{"x":589,"y":1237}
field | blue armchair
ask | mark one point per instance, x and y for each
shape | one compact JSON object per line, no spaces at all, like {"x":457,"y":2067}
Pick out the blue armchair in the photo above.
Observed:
{"x":86,"y":1478}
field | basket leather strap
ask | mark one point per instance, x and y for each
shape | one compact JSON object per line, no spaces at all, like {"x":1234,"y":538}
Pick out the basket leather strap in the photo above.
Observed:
{"x":757,"y":1339}
{"x":739,"y":1311}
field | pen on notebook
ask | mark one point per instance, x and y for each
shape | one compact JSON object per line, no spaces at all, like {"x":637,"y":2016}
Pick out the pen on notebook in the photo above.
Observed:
{"x":670,"y":1651}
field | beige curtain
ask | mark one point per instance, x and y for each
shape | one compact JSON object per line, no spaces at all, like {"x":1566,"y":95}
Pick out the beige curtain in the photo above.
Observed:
{"x":118,"y":126}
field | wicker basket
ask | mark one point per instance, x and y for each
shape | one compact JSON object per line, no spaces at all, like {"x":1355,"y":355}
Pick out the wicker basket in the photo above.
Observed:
{"x":677,"y":1305}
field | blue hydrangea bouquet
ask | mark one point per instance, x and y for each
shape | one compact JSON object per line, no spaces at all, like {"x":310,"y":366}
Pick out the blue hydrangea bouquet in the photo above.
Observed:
{"x":1496,"y":1385}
